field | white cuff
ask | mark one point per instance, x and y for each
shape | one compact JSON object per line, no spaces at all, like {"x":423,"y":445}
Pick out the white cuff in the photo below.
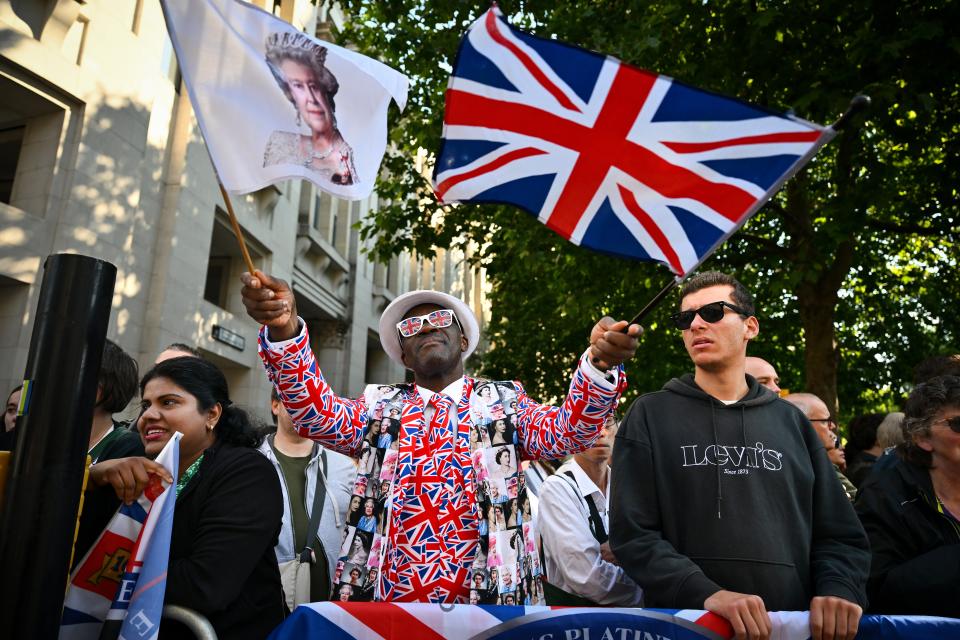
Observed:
{"x":607,"y":380}
{"x":265,"y":336}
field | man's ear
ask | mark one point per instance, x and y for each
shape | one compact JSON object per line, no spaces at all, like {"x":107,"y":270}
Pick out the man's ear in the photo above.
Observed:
{"x":464,"y":343}
{"x":752,"y":328}
{"x":275,"y":407}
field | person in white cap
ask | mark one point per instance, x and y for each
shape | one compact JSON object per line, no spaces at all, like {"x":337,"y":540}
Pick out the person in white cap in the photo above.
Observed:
{"x":437,"y":475}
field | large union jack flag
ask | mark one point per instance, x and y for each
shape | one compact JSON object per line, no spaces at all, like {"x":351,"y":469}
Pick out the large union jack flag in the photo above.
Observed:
{"x":609,"y":156}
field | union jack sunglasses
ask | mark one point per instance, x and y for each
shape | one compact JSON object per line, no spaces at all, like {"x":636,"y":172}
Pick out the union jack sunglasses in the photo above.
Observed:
{"x":441,"y":319}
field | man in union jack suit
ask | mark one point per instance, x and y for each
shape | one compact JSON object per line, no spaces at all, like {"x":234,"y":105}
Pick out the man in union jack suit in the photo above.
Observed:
{"x":438,"y":488}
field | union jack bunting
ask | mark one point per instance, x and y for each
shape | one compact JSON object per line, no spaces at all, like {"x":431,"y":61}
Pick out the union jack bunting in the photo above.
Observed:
{"x":345,"y":621}
{"x":117,"y":589}
{"x":611,"y":157}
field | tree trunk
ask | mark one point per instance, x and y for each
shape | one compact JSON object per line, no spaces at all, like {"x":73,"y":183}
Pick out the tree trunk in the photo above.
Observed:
{"x":823,"y":275}
{"x":821,"y":355}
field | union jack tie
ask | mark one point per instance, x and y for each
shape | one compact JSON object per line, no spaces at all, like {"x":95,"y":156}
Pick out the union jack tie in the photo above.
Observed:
{"x":439,"y":429}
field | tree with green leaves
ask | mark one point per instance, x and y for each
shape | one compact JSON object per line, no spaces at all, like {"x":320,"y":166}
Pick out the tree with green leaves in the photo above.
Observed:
{"x":854,"y":262}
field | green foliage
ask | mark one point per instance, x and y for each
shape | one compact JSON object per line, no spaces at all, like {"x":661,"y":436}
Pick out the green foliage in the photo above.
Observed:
{"x":862,"y":245}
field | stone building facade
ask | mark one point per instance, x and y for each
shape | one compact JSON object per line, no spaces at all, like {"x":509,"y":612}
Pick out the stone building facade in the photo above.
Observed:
{"x":100,"y":154}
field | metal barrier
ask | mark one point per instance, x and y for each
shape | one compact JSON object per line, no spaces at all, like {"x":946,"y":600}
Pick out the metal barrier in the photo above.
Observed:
{"x":196,"y":623}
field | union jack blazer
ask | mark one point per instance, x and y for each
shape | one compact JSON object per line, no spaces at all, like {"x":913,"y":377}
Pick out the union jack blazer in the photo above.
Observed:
{"x":438,"y":513}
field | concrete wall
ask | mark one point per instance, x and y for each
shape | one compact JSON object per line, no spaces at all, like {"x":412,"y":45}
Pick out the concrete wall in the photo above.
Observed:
{"x":112,"y":165}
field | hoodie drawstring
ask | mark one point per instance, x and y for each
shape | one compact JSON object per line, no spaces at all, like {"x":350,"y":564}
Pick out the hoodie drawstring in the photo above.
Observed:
{"x":716,"y":446}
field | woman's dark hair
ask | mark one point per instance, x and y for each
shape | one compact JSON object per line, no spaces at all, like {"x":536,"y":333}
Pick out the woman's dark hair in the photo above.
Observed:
{"x":14,"y":390}
{"x":508,"y":429}
{"x":862,"y":432}
{"x":503,"y":452}
{"x":934,"y":366}
{"x":205,"y":382}
{"x":117,"y":378}
{"x":923,"y":405}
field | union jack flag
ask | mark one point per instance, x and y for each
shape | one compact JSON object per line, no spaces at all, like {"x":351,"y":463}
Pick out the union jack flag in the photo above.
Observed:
{"x":347,"y":620}
{"x":611,"y":157}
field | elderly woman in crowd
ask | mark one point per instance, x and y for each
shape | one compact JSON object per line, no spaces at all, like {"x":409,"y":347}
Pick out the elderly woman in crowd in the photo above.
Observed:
{"x":229,"y":505}
{"x":910,"y":505}
{"x":297,"y":64}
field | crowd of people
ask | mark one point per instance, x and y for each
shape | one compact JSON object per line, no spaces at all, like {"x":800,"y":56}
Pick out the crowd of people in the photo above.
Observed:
{"x":713,"y":493}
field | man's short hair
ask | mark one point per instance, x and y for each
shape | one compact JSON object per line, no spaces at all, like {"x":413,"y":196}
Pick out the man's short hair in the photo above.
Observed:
{"x":937,"y":366}
{"x":923,"y":405}
{"x":117,"y":378}
{"x":182,"y":348}
{"x":274,"y":396}
{"x":741,"y":297}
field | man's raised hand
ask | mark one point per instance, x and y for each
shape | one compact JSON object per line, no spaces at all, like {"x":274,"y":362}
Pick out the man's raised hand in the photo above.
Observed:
{"x":610,"y":345}
{"x":270,"y":302}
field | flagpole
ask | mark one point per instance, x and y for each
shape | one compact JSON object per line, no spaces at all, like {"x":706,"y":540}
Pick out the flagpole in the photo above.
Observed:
{"x":236,"y":227}
{"x":226,"y":197}
{"x":857,"y":104}
{"x":653,"y":303}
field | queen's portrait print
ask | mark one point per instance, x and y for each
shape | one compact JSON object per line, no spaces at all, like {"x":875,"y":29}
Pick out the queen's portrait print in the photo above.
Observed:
{"x":297,"y":64}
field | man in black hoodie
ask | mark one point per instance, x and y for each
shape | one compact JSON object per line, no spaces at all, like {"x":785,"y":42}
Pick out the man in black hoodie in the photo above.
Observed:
{"x":723,"y":496}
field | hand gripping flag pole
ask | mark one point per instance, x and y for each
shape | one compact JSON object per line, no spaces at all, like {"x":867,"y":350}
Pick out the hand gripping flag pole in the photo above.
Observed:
{"x":611,"y":157}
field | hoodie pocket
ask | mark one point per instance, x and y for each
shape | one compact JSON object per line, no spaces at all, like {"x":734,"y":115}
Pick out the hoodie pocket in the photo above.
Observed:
{"x":780,"y":584}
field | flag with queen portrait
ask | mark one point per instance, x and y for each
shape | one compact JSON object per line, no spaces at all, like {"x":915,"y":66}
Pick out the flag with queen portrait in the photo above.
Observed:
{"x":274,"y":103}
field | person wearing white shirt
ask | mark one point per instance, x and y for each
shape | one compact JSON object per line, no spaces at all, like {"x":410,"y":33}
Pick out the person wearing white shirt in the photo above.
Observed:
{"x":573,"y":521}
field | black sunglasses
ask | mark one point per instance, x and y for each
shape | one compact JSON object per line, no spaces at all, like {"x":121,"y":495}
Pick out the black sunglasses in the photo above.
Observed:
{"x":953,"y":423}
{"x":711,"y":312}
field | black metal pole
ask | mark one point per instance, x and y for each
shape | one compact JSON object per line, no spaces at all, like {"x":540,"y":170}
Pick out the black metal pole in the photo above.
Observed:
{"x":858,"y":103}
{"x":654,"y":302}
{"x":43,"y":491}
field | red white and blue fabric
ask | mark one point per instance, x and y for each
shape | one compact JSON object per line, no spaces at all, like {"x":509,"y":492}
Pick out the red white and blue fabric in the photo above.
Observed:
{"x":349,"y":621}
{"x":434,"y":485}
{"x":611,"y":157}
{"x":117,"y":589}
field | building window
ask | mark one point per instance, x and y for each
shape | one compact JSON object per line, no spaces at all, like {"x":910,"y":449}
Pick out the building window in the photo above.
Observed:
{"x":11,"y":141}
{"x":218,"y":274}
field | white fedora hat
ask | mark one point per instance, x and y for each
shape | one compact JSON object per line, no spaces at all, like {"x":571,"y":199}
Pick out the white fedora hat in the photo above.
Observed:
{"x":395,"y":311}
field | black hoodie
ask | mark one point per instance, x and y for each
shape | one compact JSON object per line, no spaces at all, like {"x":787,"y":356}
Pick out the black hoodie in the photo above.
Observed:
{"x":709,"y":496}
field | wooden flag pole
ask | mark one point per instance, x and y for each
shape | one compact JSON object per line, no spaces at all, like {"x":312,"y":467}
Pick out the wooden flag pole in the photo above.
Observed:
{"x":236,"y":229}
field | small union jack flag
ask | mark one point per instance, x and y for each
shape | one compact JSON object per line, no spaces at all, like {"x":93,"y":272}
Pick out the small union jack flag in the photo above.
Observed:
{"x":611,"y":157}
